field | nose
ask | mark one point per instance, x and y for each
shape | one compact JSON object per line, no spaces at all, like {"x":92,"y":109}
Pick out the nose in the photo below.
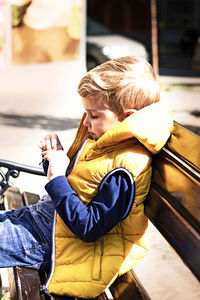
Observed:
{"x":86,"y":121}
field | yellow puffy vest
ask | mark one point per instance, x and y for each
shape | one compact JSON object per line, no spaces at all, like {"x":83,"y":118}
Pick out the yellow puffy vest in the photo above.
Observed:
{"x":86,"y":269}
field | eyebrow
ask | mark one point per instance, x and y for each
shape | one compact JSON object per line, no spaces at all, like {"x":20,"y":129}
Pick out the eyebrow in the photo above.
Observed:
{"x":92,"y":110}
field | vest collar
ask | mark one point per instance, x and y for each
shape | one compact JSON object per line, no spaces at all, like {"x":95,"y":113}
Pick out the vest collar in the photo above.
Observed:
{"x":151,"y":126}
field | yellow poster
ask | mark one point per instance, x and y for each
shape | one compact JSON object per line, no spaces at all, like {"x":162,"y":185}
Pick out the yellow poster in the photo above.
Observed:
{"x":45,"y":30}
{"x":2,"y":32}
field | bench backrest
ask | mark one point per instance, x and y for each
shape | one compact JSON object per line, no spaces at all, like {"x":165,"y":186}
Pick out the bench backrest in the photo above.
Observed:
{"x":173,"y":204}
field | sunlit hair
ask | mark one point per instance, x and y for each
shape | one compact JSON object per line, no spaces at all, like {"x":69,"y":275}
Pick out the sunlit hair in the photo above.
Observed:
{"x":121,"y":84}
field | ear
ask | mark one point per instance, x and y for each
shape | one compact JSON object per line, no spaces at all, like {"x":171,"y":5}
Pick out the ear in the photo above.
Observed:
{"x":128,"y":112}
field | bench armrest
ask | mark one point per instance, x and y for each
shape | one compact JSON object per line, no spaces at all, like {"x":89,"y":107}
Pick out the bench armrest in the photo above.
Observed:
{"x":13,"y":170}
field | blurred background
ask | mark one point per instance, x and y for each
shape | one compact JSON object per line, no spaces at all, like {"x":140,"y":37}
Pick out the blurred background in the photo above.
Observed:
{"x":178,"y":25}
{"x":45,"y":49}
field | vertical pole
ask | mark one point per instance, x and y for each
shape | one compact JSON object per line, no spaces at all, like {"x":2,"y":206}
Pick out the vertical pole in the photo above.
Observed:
{"x":154,"y":36}
{"x":196,"y":14}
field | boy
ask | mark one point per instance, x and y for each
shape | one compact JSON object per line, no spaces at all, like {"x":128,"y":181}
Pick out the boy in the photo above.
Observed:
{"x":98,"y":227}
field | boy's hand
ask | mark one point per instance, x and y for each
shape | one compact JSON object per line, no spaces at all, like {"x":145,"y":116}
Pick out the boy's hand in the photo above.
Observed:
{"x":58,"y":162}
{"x":49,"y":142}
{"x":52,"y":151}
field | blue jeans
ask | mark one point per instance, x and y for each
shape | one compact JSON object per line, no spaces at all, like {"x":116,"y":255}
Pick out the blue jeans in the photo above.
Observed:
{"x":24,"y":240}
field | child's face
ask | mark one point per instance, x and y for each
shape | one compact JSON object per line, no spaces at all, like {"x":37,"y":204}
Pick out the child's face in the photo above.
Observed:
{"x":98,"y":119}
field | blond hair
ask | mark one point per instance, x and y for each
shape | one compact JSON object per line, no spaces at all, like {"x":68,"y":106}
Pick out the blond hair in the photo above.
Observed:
{"x":121,"y":84}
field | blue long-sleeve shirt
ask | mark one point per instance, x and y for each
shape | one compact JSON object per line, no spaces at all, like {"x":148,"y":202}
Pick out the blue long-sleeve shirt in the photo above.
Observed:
{"x":111,"y":204}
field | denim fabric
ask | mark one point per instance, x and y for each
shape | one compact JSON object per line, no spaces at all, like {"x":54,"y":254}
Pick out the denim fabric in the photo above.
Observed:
{"x":23,"y":242}
{"x":43,"y":213}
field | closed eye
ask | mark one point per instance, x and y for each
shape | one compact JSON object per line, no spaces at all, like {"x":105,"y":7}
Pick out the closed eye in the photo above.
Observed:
{"x":93,"y":116}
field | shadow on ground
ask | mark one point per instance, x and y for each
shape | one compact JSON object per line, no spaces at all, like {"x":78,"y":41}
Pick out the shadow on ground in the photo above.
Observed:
{"x":194,"y":129}
{"x":51,"y":123}
{"x":38,"y":121}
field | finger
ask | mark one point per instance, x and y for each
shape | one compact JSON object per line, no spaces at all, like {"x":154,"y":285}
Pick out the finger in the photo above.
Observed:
{"x":41,"y":144}
{"x":48,"y":142}
{"x":54,"y":141}
{"x":47,"y":152}
{"x":47,"y":155}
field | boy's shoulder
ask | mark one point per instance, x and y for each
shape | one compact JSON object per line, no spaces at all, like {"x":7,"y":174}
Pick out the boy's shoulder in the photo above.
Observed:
{"x":135,"y":158}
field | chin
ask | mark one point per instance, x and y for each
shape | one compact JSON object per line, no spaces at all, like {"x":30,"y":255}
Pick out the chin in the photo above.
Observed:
{"x":93,"y":137}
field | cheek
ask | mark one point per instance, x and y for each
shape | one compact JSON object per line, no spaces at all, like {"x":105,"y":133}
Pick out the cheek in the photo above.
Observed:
{"x":113,"y":122}
{"x":99,"y":128}
{"x":102,"y":128}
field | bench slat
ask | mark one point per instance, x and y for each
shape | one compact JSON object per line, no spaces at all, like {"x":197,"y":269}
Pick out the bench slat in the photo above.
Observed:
{"x":128,"y":287}
{"x":13,"y":199}
{"x":24,"y":284}
{"x":103,"y":296}
{"x":179,"y":187}
{"x":178,"y":232}
{"x":30,"y":198}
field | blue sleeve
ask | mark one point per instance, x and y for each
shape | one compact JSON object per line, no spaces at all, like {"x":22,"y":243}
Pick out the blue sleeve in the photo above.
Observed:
{"x":111,"y":204}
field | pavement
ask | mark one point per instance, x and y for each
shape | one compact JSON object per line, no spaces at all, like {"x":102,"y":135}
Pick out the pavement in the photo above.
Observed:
{"x":44,"y":100}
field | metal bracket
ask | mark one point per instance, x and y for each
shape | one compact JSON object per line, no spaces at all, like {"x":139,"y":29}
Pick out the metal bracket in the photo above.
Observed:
{"x":13,"y":170}
{"x":5,"y":183}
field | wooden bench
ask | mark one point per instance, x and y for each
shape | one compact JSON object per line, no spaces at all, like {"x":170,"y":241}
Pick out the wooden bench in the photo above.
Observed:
{"x":173,"y":206}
